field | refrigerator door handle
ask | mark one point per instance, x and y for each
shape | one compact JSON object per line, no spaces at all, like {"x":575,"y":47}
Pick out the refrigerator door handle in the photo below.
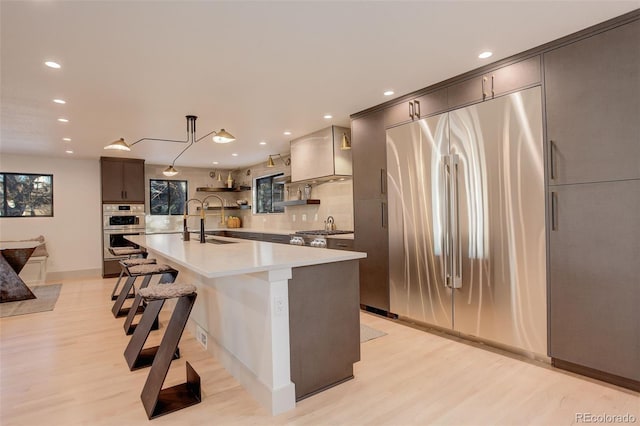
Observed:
{"x":446,"y":221}
{"x":455,"y":217}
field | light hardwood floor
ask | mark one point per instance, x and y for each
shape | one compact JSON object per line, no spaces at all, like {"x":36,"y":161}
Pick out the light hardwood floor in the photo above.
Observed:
{"x":66,"y":367}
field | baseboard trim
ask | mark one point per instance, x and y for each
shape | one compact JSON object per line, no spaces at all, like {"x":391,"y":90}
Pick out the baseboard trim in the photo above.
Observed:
{"x":72,"y":275}
{"x":597,"y":374}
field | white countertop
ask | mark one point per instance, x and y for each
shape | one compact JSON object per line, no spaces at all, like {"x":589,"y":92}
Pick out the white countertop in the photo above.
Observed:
{"x":269,"y":231}
{"x":239,"y":257}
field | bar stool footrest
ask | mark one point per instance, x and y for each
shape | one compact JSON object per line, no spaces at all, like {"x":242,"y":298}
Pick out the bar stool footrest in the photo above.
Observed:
{"x":180,"y":396}
{"x":123,"y":312}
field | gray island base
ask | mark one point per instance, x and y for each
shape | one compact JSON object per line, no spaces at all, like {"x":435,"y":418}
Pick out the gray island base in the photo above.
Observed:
{"x":283,"y":320}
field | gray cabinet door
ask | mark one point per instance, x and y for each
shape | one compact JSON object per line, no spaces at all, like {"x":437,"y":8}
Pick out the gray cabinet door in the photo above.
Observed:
{"x":368,"y":146}
{"x":513,"y":77}
{"x":371,"y":237}
{"x":420,"y":107}
{"x":465,"y":93}
{"x":112,"y":180}
{"x":133,"y":183}
{"x":593,"y":103}
{"x":594,"y":276}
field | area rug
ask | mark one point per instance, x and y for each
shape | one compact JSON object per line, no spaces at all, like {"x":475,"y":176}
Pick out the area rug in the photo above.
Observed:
{"x":368,"y":333}
{"x":46,"y":298}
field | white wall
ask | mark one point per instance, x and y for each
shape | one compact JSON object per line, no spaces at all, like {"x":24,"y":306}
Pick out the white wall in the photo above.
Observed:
{"x":74,"y":234}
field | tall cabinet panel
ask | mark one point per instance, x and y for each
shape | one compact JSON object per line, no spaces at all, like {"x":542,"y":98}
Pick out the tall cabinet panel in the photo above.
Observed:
{"x":370,"y":208}
{"x":595,"y":276}
{"x":592,"y":91}
{"x":593,"y":105}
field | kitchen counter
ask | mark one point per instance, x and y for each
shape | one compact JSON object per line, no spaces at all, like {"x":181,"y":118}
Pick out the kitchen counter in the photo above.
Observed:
{"x":282,"y":319}
{"x":270,"y":231}
{"x":238,"y":256}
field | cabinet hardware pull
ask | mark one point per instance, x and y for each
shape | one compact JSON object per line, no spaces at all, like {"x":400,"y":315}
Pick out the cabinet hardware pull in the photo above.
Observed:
{"x":554,"y":208}
{"x":417,"y":114}
{"x":552,"y":163}
{"x":411,"y":110}
{"x":382,"y":214}
{"x":383,"y":180}
{"x":484,"y":94}
{"x":493,"y":95}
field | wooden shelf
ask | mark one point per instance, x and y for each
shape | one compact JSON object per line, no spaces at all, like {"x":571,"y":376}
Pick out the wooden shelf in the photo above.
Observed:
{"x":208,"y":189}
{"x":243,"y":207}
{"x":296,"y":203}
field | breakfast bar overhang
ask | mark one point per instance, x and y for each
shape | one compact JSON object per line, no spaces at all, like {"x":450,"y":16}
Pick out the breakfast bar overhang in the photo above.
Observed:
{"x":282,"y":319}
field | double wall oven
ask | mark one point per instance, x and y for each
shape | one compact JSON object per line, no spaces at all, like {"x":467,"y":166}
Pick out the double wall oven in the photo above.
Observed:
{"x":119,"y":221}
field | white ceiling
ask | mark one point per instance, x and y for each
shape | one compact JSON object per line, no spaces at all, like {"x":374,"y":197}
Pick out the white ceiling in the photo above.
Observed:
{"x":134,"y":69}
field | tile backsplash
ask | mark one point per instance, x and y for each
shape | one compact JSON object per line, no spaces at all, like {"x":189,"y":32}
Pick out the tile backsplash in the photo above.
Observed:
{"x":336,"y":199}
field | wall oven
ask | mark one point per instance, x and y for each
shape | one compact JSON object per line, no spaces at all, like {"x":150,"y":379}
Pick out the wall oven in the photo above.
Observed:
{"x":118,"y":222}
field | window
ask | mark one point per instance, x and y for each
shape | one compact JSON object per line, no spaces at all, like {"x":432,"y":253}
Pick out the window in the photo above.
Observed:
{"x":268,"y":193}
{"x":23,"y":194}
{"x":167,"y":197}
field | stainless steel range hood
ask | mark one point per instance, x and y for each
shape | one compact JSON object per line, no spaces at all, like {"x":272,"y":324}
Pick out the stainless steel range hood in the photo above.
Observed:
{"x":318,"y":157}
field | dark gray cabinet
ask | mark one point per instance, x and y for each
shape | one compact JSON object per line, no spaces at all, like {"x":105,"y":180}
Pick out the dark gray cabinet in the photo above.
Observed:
{"x":122,"y":180}
{"x":368,"y":144}
{"x":592,"y":90}
{"x":340,"y":244}
{"x":592,"y":96}
{"x":503,"y":80}
{"x":594,"y":273}
{"x":415,"y":109}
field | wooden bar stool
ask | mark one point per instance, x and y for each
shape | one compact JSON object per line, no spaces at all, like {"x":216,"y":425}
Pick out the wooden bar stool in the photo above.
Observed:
{"x":167,"y":276}
{"x":158,"y":401}
{"x":124,"y":263}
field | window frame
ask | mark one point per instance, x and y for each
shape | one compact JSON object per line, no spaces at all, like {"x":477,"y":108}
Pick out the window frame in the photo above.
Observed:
{"x":168,"y":181}
{"x":257,"y":192}
{"x":4,"y":205}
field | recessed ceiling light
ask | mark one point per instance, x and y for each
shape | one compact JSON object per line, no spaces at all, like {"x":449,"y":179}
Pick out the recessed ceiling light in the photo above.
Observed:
{"x":234,"y":155}
{"x":60,"y":101}
{"x":485,"y":55}
{"x":66,"y":139}
{"x":215,"y":162}
{"x":287,"y":133}
{"x":263,"y":143}
{"x":52,"y":64}
{"x":328,"y":116}
{"x":63,"y":120}
{"x":69,"y":151}
{"x":388,"y":92}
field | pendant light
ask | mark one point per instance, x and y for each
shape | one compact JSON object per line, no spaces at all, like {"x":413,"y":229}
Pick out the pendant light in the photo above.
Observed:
{"x":120,"y":144}
{"x":221,"y":136}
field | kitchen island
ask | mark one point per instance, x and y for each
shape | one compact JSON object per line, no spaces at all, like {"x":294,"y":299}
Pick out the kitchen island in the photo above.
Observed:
{"x":282,"y":319}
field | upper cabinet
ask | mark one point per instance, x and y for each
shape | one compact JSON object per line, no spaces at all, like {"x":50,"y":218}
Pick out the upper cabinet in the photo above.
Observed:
{"x":319,"y":155}
{"x":592,"y":90}
{"x":122,"y":180}
{"x":500,"y":81}
{"x":417,"y":108}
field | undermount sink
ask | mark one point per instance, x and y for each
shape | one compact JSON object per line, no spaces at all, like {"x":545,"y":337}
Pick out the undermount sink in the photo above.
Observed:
{"x":217,"y":241}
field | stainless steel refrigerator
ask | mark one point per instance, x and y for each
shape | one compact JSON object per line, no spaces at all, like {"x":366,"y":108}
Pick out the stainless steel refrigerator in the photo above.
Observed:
{"x":467,"y":224}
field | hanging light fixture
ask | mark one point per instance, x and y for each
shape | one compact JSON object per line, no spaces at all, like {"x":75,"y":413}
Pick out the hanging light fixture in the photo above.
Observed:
{"x":270,"y":162}
{"x":346,"y":143}
{"x":170,"y":171}
{"x":221,"y":136}
{"x":120,"y":144}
